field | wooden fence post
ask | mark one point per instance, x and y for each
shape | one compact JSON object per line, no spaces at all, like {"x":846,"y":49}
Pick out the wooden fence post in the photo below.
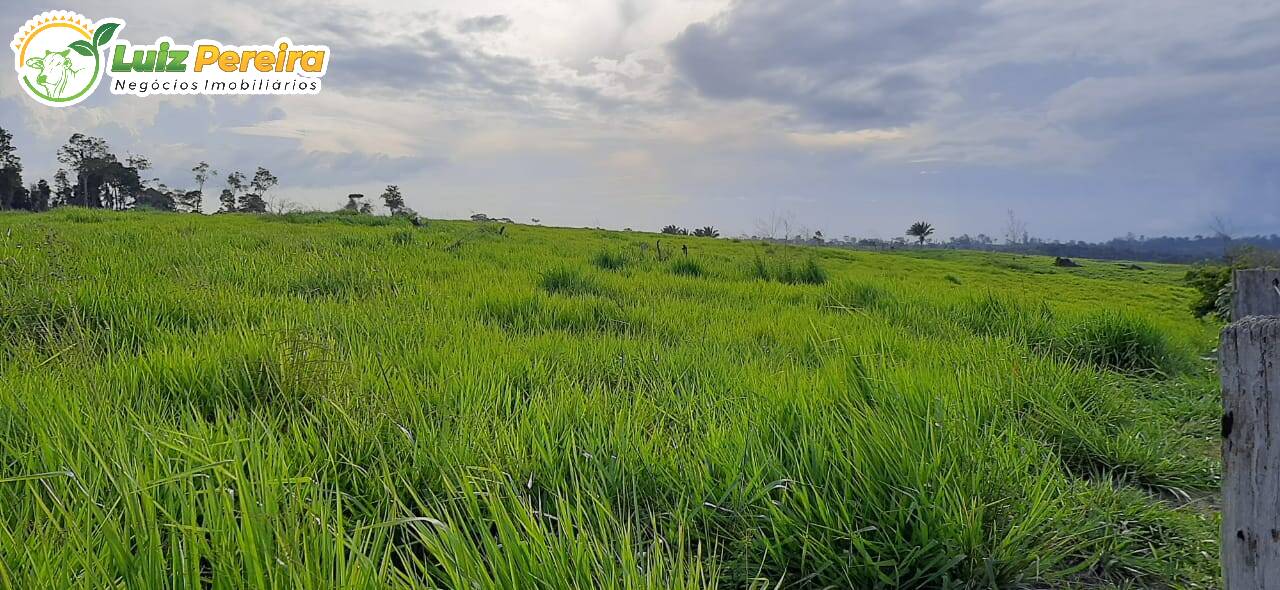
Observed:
{"x":1256,"y":292}
{"x":1249,"y":361}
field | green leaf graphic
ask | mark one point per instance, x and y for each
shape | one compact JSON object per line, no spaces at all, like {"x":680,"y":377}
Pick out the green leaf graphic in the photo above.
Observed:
{"x":103,"y":35}
{"x":83,"y":48}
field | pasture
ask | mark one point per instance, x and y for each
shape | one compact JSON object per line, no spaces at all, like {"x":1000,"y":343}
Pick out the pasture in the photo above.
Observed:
{"x":344,"y":401}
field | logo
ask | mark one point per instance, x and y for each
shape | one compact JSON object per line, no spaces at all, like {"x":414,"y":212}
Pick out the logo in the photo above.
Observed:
{"x":61,"y":57}
{"x":58,"y":55}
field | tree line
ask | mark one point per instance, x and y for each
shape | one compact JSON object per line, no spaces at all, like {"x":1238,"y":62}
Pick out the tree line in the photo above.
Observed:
{"x":702,"y":232}
{"x":1220,"y":245}
{"x":1180,"y":249}
{"x":93,"y":176}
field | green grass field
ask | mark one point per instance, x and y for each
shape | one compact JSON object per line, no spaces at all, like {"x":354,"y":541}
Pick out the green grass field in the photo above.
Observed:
{"x":316,"y":401}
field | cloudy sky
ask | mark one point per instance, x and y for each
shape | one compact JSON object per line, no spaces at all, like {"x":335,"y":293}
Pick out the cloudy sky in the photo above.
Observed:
{"x":1090,"y":119}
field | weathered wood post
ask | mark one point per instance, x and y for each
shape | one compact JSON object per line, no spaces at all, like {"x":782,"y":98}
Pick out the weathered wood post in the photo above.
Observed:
{"x":1249,"y":361}
{"x":1256,"y":292}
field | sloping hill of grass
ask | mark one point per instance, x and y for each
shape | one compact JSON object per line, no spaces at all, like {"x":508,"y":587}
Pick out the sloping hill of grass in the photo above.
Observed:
{"x":314,"y":402}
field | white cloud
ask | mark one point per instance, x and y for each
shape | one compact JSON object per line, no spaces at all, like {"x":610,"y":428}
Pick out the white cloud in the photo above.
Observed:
{"x":846,"y":139}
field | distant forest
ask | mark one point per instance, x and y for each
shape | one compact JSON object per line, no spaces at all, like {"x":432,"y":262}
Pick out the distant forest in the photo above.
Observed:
{"x":1216,"y":248}
{"x":1161,"y":249}
{"x":1220,"y":246}
{"x":93,"y":176}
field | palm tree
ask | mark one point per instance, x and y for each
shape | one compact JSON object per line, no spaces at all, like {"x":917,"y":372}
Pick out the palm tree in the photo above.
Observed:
{"x":920,"y":230}
{"x":707,"y":232}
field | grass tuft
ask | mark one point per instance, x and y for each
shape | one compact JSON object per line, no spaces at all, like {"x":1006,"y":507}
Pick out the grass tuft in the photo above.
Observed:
{"x":1124,"y":342}
{"x":403,"y":237}
{"x":858,"y":295}
{"x":609,"y":260}
{"x":788,"y":271}
{"x":687,"y":267}
{"x":570,"y":281}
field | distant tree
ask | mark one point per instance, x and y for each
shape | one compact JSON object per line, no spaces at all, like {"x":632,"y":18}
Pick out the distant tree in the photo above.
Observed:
{"x":777,"y":225}
{"x":8,"y":154}
{"x":91,"y":161}
{"x":190,"y":201}
{"x":159,"y":198}
{"x":138,"y":162}
{"x":255,"y":198}
{"x":920,"y":230}
{"x":356,"y":204}
{"x":1015,"y":230}
{"x":62,"y":191}
{"x":394,"y":201}
{"x":40,"y":195}
{"x":279,"y":206}
{"x":228,"y":200}
{"x":231,"y":195}
{"x":121,"y":183}
{"x":675,"y":231}
{"x":392,"y":198}
{"x":253,"y":203}
{"x":193,"y":201}
{"x":102,"y":180}
{"x":78,"y":155}
{"x":20,"y":198}
{"x":13,"y":195}
{"x":707,"y":232}
{"x":201,"y":172}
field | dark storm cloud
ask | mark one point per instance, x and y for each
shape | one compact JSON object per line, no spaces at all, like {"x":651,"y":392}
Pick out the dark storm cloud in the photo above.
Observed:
{"x":843,"y":63}
{"x":422,"y":60}
{"x":428,"y":61}
{"x":1163,"y":106}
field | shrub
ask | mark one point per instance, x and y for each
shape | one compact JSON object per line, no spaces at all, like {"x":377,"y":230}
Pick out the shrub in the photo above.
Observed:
{"x":1213,"y":290}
